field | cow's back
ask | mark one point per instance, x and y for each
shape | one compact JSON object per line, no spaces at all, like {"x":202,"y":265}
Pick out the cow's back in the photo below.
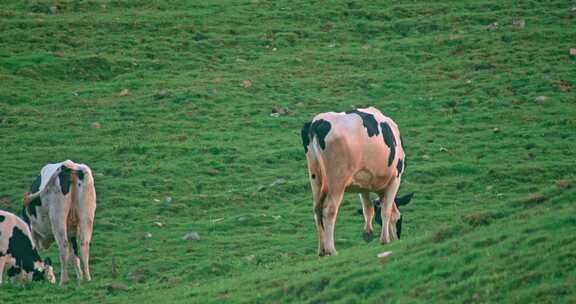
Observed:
{"x":362,"y":148}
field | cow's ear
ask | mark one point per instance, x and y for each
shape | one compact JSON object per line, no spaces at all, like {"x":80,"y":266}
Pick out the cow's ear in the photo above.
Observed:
{"x":404,"y":200}
{"x":47,"y":261}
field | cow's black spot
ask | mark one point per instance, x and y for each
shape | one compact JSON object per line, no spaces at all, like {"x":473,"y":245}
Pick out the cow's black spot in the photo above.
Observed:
{"x":305,"y":134}
{"x":31,"y":209}
{"x":20,"y":247}
{"x":368,"y":121}
{"x":74,"y":245}
{"x":399,"y":227}
{"x":80,"y":174}
{"x":389,"y":140}
{"x":65,"y":179}
{"x":320,"y":129}
{"x":36,"y":184}
{"x":377,"y":212}
{"x":2,"y":218}
{"x":399,"y":167}
{"x":13,"y":271}
{"x":38,"y":275}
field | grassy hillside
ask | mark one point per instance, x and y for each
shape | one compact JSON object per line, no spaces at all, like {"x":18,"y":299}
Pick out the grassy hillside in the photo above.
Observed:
{"x":169,"y":102}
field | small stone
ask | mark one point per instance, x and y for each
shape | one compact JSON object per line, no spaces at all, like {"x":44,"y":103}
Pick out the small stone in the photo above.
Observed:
{"x":136,"y":277}
{"x":213,"y":171}
{"x":245,"y":83}
{"x":95,"y":125}
{"x":261,"y":188}
{"x":191,"y":236}
{"x":250,"y":258}
{"x":518,"y":23}
{"x":124,"y":92}
{"x":496,"y":130}
{"x":384,"y":254}
{"x":541,"y":99}
{"x":162,"y":94}
{"x":426,"y":157}
{"x":168,"y":199}
{"x":148,"y":235}
{"x":158,"y":224}
{"x":279,"y":181}
{"x":492,"y":27}
{"x":242,"y":219}
{"x":489,"y":188}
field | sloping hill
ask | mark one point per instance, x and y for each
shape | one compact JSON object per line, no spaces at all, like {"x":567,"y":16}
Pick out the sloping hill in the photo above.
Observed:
{"x":169,"y":102}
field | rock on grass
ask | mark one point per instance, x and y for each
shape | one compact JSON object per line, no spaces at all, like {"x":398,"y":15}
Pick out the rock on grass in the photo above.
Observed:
{"x":191,"y":236}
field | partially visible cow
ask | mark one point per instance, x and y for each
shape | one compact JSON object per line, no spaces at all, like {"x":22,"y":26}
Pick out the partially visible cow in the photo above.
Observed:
{"x":18,"y":253}
{"x":60,"y":206}
{"x":357,"y":151}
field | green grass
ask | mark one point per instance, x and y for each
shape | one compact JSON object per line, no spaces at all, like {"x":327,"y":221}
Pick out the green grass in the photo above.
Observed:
{"x":494,"y":170}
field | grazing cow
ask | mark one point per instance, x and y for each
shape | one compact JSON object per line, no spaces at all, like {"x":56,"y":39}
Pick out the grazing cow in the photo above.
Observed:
{"x":60,"y":206}
{"x":17,"y":251}
{"x":357,"y":151}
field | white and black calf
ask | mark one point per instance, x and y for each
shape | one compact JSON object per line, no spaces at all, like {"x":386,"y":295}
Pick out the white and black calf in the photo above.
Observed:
{"x":357,"y":151}
{"x":60,"y":206}
{"x":18,"y":253}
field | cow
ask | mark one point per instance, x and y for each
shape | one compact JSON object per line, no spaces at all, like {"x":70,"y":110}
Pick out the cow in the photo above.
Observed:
{"x":357,"y":151}
{"x":61,"y":205}
{"x":18,"y":253}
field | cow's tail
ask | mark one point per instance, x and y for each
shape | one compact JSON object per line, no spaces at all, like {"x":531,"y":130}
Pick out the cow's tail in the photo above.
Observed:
{"x":72,"y":220}
{"x":318,"y":179}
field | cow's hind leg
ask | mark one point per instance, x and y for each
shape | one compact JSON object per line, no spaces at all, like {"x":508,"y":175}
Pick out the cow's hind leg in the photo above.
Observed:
{"x":2,"y":263}
{"x":319,"y":197}
{"x":58,"y":216}
{"x":86,"y":226}
{"x":386,"y":203}
{"x":368,"y":210}
{"x":329,"y":213}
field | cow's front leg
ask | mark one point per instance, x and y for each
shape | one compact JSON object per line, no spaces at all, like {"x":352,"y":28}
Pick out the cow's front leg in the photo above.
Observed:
{"x":368,"y":210}
{"x":73,"y":256}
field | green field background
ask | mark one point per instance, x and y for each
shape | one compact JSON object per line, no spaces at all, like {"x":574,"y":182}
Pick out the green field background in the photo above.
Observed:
{"x":170,"y":103}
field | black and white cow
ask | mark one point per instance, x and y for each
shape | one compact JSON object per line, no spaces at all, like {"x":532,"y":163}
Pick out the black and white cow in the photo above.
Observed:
{"x":18,"y":253}
{"x":357,"y":151}
{"x":60,"y":206}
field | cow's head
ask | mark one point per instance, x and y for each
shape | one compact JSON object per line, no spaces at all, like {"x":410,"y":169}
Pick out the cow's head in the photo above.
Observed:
{"x":395,"y":227}
{"x":43,"y":270}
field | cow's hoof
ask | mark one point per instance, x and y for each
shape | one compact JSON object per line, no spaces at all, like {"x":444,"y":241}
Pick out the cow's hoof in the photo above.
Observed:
{"x":368,"y":236}
{"x":383,"y":241}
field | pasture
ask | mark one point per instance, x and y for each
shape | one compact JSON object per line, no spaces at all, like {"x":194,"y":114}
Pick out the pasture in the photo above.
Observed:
{"x":189,"y":114}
